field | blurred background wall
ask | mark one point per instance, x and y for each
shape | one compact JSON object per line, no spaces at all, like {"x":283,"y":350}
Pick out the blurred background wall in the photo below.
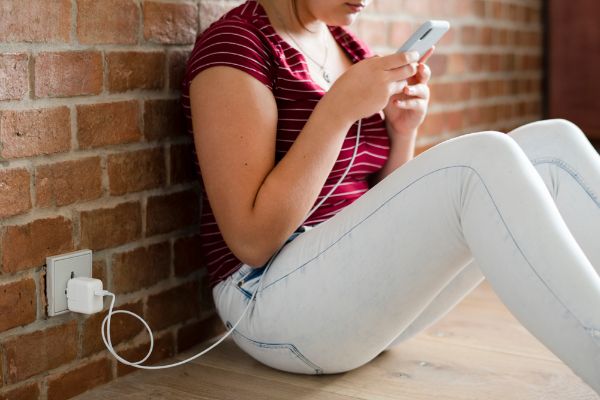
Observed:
{"x":487,"y":71}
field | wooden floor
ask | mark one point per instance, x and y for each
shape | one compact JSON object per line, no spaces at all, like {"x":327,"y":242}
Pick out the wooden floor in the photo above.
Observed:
{"x":477,"y":351}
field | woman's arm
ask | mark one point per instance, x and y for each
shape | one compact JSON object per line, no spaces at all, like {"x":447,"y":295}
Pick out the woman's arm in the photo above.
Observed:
{"x":257,"y":204}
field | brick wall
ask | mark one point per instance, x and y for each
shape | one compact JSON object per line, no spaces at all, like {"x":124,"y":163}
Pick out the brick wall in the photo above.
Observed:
{"x":92,"y":155}
{"x":487,"y":70}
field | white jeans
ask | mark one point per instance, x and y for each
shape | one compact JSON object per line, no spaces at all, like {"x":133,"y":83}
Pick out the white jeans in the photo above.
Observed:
{"x":521,"y":210}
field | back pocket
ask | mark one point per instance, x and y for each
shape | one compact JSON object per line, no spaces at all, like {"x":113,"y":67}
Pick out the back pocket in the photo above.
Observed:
{"x":281,"y":356}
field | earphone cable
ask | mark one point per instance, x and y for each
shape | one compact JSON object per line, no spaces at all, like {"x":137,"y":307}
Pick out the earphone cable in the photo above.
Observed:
{"x":106,"y":338}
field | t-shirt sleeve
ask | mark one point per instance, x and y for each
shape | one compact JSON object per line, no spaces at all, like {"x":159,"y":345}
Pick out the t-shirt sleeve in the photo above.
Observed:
{"x":233,"y":43}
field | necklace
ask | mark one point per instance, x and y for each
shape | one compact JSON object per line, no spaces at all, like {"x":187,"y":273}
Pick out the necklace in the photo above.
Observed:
{"x":325,"y":74}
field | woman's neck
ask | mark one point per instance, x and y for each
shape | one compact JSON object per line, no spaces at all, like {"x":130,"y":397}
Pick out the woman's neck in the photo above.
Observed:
{"x":284,"y":10}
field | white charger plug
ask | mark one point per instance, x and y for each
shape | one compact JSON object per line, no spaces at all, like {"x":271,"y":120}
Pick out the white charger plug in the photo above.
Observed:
{"x":85,"y":295}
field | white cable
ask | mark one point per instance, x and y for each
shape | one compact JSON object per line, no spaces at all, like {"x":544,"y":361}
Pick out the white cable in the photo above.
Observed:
{"x":343,"y":176}
{"x":106,"y":321}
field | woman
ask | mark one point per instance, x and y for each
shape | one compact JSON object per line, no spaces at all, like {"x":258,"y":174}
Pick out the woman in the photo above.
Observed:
{"x":273,"y":93}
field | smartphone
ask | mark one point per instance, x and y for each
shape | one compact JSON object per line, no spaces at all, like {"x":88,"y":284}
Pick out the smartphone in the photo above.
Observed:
{"x":425,"y":37}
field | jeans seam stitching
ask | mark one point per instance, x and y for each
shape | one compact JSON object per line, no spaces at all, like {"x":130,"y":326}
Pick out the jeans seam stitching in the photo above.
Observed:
{"x":571,"y":171}
{"x":406,"y":187}
{"x":360,"y":222}
{"x":291,"y":347}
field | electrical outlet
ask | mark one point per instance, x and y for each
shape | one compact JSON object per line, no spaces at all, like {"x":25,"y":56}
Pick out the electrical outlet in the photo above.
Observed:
{"x":61,"y":268}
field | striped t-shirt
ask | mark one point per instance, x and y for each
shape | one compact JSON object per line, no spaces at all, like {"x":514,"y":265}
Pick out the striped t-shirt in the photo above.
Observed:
{"x":243,"y":38}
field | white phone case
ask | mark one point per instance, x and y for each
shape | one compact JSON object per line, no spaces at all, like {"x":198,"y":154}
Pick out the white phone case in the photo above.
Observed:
{"x":425,"y":37}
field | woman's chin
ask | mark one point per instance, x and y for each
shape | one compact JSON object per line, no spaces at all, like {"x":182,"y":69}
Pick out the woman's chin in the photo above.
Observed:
{"x":345,"y":20}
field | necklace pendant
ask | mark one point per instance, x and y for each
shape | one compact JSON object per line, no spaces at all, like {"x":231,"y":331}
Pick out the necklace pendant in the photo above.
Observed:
{"x":326,"y":77}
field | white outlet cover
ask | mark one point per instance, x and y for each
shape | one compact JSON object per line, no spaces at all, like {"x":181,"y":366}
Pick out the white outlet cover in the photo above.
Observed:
{"x":58,"y":272}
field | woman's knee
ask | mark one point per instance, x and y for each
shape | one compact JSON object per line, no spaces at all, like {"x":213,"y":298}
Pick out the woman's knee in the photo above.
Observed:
{"x":560,"y":132}
{"x":489,"y":145}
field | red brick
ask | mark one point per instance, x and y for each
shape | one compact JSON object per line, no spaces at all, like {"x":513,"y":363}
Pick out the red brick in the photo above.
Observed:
{"x":29,"y":391}
{"x":417,"y":8}
{"x":463,"y":8}
{"x":399,"y":32}
{"x":177,"y":60}
{"x":79,"y":379}
{"x":482,"y":89}
{"x":122,"y":327}
{"x":469,"y":35}
{"x":170,"y":22}
{"x":173,"y":306}
{"x":534,"y":108}
{"x":387,"y":6}
{"x":171,"y":212}
{"x":496,"y":9}
{"x":534,"y":16}
{"x":107,"y":21}
{"x":438,"y":64}
{"x":34,"y":132}
{"x":210,"y":12}
{"x":136,"y":170}
{"x":35,"y":21}
{"x":71,"y":73}
{"x":439,"y":123}
{"x":164,"y":347}
{"x":481,"y":115}
{"x":163,"y":119}
{"x":99,"y":271}
{"x":199,"y":332}
{"x":14,"y":192}
{"x":187,"y":258}
{"x":17,"y":304}
{"x":450,"y":92}
{"x":504,"y":112}
{"x":457,"y":63}
{"x":184,"y":167}
{"x":108,"y":124}
{"x":479,"y":8}
{"x":13,"y":75}
{"x":372,"y":32}
{"x":474,"y":62}
{"x":33,"y":353}
{"x":141,"y":268}
{"x":27,"y":246}
{"x":109,"y":227}
{"x":66,"y":182}
{"x":128,"y":70}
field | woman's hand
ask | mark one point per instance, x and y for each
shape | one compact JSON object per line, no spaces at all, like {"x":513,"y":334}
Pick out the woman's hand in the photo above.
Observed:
{"x":406,"y":111}
{"x":366,"y":87}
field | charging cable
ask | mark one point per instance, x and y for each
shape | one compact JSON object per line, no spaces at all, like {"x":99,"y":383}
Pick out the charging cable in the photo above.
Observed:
{"x":85,"y":294}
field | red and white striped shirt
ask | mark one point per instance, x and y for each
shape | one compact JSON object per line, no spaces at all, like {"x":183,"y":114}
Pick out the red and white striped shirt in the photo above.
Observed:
{"x":243,"y":38}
